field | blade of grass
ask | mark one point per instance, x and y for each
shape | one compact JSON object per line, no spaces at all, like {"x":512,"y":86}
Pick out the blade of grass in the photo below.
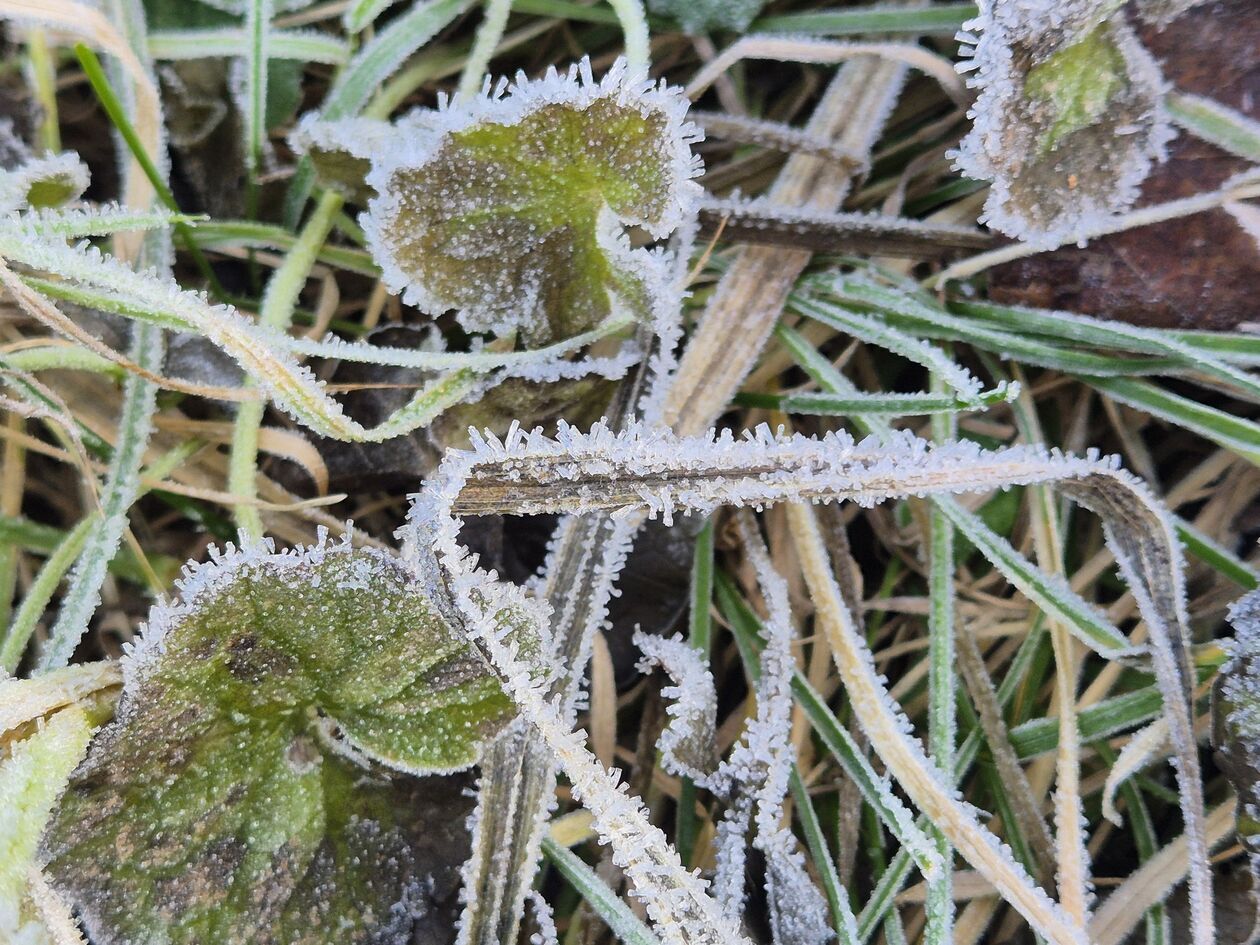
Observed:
{"x":227,"y":42}
{"x":942,"y":684}
{"x":1217,"y":123}
{"x":745,"y":625}
{"x":699,"y":634}
{"x":122,"y":484}
{"x":118,"y":117}
{"x":1233,"y":433}
{"x":623,"y":923}
{"x":854,"y":21}
{"x":886,"y":727}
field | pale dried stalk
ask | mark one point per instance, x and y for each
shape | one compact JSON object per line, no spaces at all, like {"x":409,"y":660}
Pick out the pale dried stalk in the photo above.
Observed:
{"x":905,"y":759}
{"x":823,"y":51}
{"x":1023,"y":800}
{"x":1151,"y":884}
{"x":751,"y":294}
{"x":1071,"y":842}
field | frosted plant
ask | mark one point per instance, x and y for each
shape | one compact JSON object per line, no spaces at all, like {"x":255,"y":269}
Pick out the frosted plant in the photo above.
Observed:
{"x":1069,"y":118}
{"x":37,"y":240}
{"x":258,"y":715}
{"x":42,"y":182}
{"x":1237,"y":727}
{"x":511,"y":208}
{"x":653,"y":471}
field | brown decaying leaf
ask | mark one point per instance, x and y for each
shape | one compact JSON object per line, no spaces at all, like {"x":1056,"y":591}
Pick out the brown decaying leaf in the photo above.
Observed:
{"x":1196,"y":272}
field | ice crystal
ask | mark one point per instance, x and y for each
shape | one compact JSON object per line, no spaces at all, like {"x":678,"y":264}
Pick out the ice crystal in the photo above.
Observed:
{"x":241,"y":784}
{"x":689,"y":743}
{"x":1069,"y":117}
{"x":511,"y":208}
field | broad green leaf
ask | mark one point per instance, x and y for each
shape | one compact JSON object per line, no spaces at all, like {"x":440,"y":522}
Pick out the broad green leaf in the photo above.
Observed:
{"x":249,"y":790}
{"x":511,"y":209}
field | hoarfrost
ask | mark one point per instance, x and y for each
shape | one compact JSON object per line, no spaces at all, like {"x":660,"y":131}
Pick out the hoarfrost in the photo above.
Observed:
{"x":510,"y":208}
{"x":1069,"y":118}
{"x":48,"y":181}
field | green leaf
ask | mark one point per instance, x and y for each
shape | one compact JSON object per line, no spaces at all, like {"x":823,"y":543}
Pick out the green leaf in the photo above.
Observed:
{"x":511,"y":209}
{"x":244,"y":793}
{"x":1076,"y":83}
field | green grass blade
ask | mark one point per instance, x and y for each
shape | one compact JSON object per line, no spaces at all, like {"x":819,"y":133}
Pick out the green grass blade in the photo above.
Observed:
{"x":1222,"y":126}
{"x":623,"y":923}
{"x":228,"y":41}
{"x":856,"y":21}
{"x":1233,"y":433}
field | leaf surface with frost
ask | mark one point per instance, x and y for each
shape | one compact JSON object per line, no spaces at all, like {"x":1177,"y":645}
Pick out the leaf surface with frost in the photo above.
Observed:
{"x":512,"y":209}
{"x":1068,"y":121}
{"x":1236,"y":721}
{"x":243,"y":793}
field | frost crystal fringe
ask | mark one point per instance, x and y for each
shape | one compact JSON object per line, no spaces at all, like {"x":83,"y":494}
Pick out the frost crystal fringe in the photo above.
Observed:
{"x":655,"y":471}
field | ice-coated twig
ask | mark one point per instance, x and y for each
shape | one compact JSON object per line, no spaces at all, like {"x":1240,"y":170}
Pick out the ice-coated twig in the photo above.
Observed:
{"x":762,"y":763}
{"x":676,"y":899}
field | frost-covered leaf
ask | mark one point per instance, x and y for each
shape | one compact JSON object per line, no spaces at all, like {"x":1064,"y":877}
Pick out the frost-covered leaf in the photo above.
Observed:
{"x":1068,"y":121}
{"x":43,"y":182}
{"x":244,"y":794}
{"x":702,"y":16}
{"x":1237,"y":725}
{"x":511,"y":209}
{"x":31,"y":777}
{"x":688,"y":745}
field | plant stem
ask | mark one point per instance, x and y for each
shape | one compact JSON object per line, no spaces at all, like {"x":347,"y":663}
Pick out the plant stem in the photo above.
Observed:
{"x":277,"y":312}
